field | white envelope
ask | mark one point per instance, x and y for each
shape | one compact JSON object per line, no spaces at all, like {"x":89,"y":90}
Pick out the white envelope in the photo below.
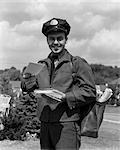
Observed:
{"x":53,"y":93}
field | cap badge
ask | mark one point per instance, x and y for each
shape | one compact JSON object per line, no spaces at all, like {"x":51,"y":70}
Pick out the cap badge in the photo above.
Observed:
{"x":54,"y":22}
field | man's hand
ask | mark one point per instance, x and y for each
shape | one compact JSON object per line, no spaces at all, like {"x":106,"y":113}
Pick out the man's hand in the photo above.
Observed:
{"x":63,"y":98}
{"x":29,"y":83}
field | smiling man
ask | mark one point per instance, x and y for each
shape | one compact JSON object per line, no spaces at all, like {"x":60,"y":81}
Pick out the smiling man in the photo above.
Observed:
{"x":71,"y":76}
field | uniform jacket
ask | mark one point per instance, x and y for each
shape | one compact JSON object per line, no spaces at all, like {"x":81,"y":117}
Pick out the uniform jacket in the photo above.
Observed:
{"x":76,"y":82}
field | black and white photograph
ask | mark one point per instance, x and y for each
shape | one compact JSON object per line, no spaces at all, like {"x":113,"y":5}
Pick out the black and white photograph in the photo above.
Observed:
{"x":59,"y":75}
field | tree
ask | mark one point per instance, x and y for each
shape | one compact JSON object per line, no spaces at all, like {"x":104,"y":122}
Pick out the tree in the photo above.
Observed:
{"x":6,"y":87}
{"x":105,"y":74}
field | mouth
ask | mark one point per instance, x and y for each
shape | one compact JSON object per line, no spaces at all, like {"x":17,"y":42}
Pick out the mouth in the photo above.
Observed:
{"x":56,"y":47}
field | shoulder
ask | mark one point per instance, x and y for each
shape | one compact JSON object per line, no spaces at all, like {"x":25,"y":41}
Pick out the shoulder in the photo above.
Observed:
{"x":79,"y":59}
{"x":80,"y":63}
{"x":42,"y":61}
{"x":45,"y":62}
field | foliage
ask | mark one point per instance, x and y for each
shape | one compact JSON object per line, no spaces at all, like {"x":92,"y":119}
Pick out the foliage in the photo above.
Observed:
{"x":5,"y":87}
{"x":22,"y":115}
{"x":21,"y":119}
{"x":105,"y":74}
{"x":12,"y":73}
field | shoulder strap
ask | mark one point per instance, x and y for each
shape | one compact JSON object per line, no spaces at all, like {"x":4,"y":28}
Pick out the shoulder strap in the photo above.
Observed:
{"x":72,"y":68}
{"x":72,"y":65}
{"x":77,"y":58}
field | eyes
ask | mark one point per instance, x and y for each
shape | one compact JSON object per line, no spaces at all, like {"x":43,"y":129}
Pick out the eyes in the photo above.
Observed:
{"x":52,"y":39}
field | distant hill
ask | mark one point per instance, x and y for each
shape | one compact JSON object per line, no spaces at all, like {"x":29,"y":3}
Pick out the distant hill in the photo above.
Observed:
{"x":12,"y":73}
{"x":102,"y":74}
{"x":105,"y":74}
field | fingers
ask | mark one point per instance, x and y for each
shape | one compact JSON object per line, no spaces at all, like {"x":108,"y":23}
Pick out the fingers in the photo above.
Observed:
{"x":30,"y":83}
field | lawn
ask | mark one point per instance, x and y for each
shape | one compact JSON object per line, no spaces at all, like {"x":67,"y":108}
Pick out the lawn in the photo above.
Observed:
{"x":20,"y":145}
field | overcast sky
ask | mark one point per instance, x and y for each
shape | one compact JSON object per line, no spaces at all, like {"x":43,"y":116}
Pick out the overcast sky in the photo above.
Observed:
{"x":95,"y":30}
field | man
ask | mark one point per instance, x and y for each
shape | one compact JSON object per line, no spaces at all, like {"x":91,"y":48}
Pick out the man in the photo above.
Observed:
{"x":70,"y":75}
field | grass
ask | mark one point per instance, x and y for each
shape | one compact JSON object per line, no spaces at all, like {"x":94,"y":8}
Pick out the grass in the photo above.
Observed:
{"x":20,"y":145}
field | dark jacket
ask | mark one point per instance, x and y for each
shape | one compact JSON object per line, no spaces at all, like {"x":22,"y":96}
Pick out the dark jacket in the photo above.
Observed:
{"x":76,"y":82}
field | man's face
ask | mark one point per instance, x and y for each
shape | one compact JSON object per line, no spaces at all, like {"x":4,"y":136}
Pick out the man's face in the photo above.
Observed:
{"x":56,"y":41}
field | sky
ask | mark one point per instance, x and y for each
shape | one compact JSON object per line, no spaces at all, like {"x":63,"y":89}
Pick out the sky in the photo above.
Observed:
{"x":94,"y":35}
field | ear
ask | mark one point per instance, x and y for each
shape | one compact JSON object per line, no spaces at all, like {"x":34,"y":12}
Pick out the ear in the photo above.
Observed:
{"x":66,"y":39}
{"x":47,"y":39}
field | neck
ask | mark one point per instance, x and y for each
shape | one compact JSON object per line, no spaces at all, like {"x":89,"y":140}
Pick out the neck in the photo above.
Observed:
{"x":54,"y":56}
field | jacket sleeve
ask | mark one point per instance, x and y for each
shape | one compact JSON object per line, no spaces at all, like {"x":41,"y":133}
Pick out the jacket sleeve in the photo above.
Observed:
{"x":83,"y":91}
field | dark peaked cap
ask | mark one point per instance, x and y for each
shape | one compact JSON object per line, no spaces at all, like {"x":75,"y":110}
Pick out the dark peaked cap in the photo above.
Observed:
{"x":55,"y":24}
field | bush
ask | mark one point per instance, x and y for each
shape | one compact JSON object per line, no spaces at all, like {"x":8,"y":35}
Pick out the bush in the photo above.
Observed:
{"x":21,"y":119}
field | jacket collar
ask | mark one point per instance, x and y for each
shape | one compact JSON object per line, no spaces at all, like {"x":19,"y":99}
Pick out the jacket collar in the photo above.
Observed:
{"x":63,"y":57}
{"x":66,"y":57}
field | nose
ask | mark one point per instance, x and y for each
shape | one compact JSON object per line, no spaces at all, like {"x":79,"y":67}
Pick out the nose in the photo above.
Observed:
{"x":55,"y":41}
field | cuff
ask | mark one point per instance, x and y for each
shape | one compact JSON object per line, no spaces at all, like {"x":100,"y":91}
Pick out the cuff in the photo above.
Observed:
{"x":101,"y":103}
{"x":70,"y":99}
